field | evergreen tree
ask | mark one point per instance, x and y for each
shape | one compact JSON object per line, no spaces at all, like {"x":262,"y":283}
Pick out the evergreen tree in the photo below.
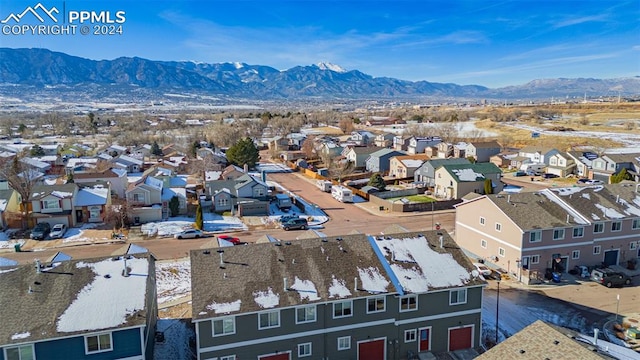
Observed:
{"x":70,"y":178}
{"x":243,"y":152}
{"x":199,"y":218}
{"x":174,"y":206}
{"x":37,"y":150}
{"x":622,"y":175}
{"x":377,"y":181}
{"x":488,"y":186}
{"x":155,"y":149}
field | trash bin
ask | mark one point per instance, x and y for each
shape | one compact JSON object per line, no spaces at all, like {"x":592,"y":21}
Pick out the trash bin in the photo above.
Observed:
{"x":556,"y":276}
{"x":381,"y":208}
{"x":16,"y":247}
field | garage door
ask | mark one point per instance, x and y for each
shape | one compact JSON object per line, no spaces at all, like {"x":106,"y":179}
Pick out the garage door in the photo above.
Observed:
{"x":371,"y":350}
{"x":460,"y":338}
{"x":55,"y":220}
{"x":611,"y":257}
{"x":283,"y":356}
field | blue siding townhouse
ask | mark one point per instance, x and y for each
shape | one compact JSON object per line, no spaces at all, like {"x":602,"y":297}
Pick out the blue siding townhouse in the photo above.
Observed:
{"x":101,"y":308}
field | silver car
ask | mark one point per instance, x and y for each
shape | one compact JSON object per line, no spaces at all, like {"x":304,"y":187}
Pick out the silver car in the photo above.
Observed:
{"x":189,"y":234}
{"x":58,"y":231}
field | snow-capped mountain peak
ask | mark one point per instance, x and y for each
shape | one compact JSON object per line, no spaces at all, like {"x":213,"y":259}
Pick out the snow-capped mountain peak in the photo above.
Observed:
{"x":238,"y":65}
{"x":330,"y":66}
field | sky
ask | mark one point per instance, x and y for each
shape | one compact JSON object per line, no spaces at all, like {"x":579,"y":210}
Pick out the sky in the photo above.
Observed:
{"x":490,"y":43}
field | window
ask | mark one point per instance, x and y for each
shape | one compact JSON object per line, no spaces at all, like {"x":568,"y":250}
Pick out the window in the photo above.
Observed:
{"x":598,"y":228}
{"x":344,"y":343}
{"x":51,"y":204}
{"x":24,"y":352}
{"x":633,"y":245}
{"x":228,"y":357}
{"x":409,"y":303}
{"x":535,"y":259}
{"x":224,"y":326}
{"x":137,"y":197}
{"x":304,"y":349}
{"x":410,"y":335}
{"x":558,"y":234}
{"x":481,"y":220}
{"x":268,"y":320}
{"x":259,"y":191}
{"x":575,"y":254}
{"x":457,"y":297}
{"x":578,"y":232}
{"x":501,"y":251}
{"x":223,"y":201}
{"x":616,"y":225}
{"x":98,"y":343}
{"x":306,"y":314}
{"x":375,"y":305}
{"x":483,"y":243}
{"x":498,"y":227}
{"x":635,"y":225}
{"x":596,"y":250}
{"x":535,"y":236}
{"x":342,"y":309}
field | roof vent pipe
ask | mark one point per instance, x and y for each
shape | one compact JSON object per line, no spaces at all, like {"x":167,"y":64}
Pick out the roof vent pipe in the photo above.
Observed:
{"x":567,"y":218}
{"x":509,"y":198}
{"x":38,"y":270}
{"x":618,"y":198}
{"x":286,"y":286}
{"x":441,"y":241}
{"x":595,"y":336}
{"x":355,"y":284}
{"x":125,"y":273}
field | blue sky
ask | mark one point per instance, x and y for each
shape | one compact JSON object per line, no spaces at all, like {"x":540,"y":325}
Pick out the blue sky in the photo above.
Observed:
{"x":490,"y":43}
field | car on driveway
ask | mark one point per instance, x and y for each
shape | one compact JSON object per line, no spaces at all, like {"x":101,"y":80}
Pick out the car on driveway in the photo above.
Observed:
{"x":58,"y":231}
{"x":483,"y":269}
{"x":295,"y":224}
{"x":519,"y":173}
{"x":582,"y":181}
{"x":231,"y":239}
{"x":285,"y":218}
{"x":189,"y":234}
{"x":40,"y":231}
{"x":550,"y":176}
{"x":594,"y":182}
{"x":610,"y":278}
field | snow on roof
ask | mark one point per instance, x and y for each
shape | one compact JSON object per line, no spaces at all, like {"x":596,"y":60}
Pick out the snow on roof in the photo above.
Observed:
{"x":92,"y":196}
{"x":372,"y":280}
{"x":338,"y":289}
{"x":3,"y":204}
{"x":73,"y":162}
{"x":178,"y":181}
{"x":212,"y":175}
{"x":153,"y":182}
{"x":225,"y":308}
{"x":266,"y":299}
{"x":577,"y":217}
{"x":306,"y":289}
{"x":167,"y":194}
{"x":433,"y":269}
{"x":115,"y":295}
{"x":467,"y":174}
{"x":610,"y":213}
{"x":412,"y":163}
{"x":61,"y":194}
{"x":630,"y":209}
{"x":18,"y":336}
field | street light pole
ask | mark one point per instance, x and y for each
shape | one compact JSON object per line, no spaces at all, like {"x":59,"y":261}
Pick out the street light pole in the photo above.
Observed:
{"x":497,"y":310}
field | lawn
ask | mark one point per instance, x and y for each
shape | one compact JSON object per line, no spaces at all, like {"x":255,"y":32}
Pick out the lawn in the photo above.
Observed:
{"x":415,"y":198}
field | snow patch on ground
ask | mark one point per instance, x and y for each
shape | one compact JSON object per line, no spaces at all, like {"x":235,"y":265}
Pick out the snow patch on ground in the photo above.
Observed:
{"x":179,"y":336}
{"x":173,"y":280}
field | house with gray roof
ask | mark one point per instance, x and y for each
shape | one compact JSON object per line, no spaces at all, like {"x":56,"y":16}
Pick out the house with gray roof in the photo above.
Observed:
{"x":378,"y":162}
{"x":358,"y":154}
{"x":482,"y":151}
{"x":129,"y":163}
{"x":608,"y":164}
{"x":349,"y":297}
{"x":417,"y":145}
{"x":103,"y":308}
{"x":426,"y":173}
{"x":92,"y":203}
{"x":557,"y":228}
{"x":537,"y":154}
{"x":54,"y":204}
{"x":116,"y":177}
{"x":384,"y":140}
{"x":246,"y":194}
{"x":583,"y":161}
{"x":561,"y":164}
{"x":455,"y":181}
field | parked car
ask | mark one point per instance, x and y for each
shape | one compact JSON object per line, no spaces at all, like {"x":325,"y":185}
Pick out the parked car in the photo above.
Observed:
{"x":594,"y":182}
{"x":550,"y":176}
{"x":231,"y":239}
{"x":295,"y":224}
{"x":285,"y":218}
{"x":610,"y":278}
{"x":189,"y":234}
{"x":582,"y":181}
{"x":483,"y":269}
{"x":58,"y":231}
{"x":519,"y":173}
{"x":40,"y":231}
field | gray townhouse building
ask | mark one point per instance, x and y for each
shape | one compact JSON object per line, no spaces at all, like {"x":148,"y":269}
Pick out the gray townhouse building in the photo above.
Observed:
{"x":350,"y":297}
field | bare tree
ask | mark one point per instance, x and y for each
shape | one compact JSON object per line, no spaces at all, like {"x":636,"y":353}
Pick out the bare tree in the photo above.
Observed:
{"x":21,"y":178}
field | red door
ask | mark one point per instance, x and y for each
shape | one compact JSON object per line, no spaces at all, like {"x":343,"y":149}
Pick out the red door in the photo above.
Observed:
{"x":423,"y":344}
{"x":460,"y":338}
{"x":283,"y":356}
{"x":371,"y":350}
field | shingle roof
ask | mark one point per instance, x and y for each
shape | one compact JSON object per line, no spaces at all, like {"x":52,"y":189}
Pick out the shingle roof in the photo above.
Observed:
{"x":471,"y":172}
{"x":40,"y":313}
{"x":485,"y":144}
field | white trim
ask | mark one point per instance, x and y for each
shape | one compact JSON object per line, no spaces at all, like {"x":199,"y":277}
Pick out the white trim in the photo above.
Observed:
{"x":409,"y":331}
{"x":278,"y":353}
{"x":315,"y":313}
{"x":222,"y":318}
{"x":573,"y":253}
{"x":376,"y":298}
{"x":616,"y":237}
{"x":97,"y":336}
{"x":473,"y":328}
{"x":268,"y":313}
{"x":333,"y":309}
{"x":599,"y":247}
{"x":264,"y":340}
{"x":342,"y":338}
{"x":304,"y":345}
{"x":198,"y":339}
{"x":80,"y":335}
{"x":140,"y":357}
{"x":488,"y":236}
{"x":616,"y":222}
{"x":558,"y":246}
{"x":573,"y":233}
{"x":384,"y":342}
{"x":13,"y":346}
{"x":400,"y":309}
{"x":458,"y":293}
{"x":438,"y":316}
{"x":553,"y":234}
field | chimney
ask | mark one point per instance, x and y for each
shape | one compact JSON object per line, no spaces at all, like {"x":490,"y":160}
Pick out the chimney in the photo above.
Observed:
{"x":355,"y":284}
{"x":286,"y":286}
{"x":38,"y":266}
{"x":595,"y":336}
{"x":126,"y":269}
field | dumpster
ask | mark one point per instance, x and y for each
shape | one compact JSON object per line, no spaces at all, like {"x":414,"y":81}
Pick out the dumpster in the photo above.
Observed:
{"x":16,"y":247}
{"x":556,"y":276}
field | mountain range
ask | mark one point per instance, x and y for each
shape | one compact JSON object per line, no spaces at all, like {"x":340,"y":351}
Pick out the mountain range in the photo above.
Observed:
{"x":23,"y":71}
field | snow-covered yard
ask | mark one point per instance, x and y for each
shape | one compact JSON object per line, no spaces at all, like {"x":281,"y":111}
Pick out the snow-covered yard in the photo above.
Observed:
{"x":77,"y":234}
{"x":173,"y":280}
{"x":212,"y":222}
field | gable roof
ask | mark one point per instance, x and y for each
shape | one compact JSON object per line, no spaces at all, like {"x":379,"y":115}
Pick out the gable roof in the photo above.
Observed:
{"x":436,"y":163}
{"x":471,"y":172}
{"x":60,"y":191}
{"x":485,"y":144}
{"x":383,"y":152}
{"x":412,"y":161}
{"x":61,"y":296}
{"x":95,"y":195}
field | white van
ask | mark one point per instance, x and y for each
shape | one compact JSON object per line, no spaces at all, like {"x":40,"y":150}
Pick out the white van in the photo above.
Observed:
{"x":342,"y":194}
{"x":324,"y":185}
